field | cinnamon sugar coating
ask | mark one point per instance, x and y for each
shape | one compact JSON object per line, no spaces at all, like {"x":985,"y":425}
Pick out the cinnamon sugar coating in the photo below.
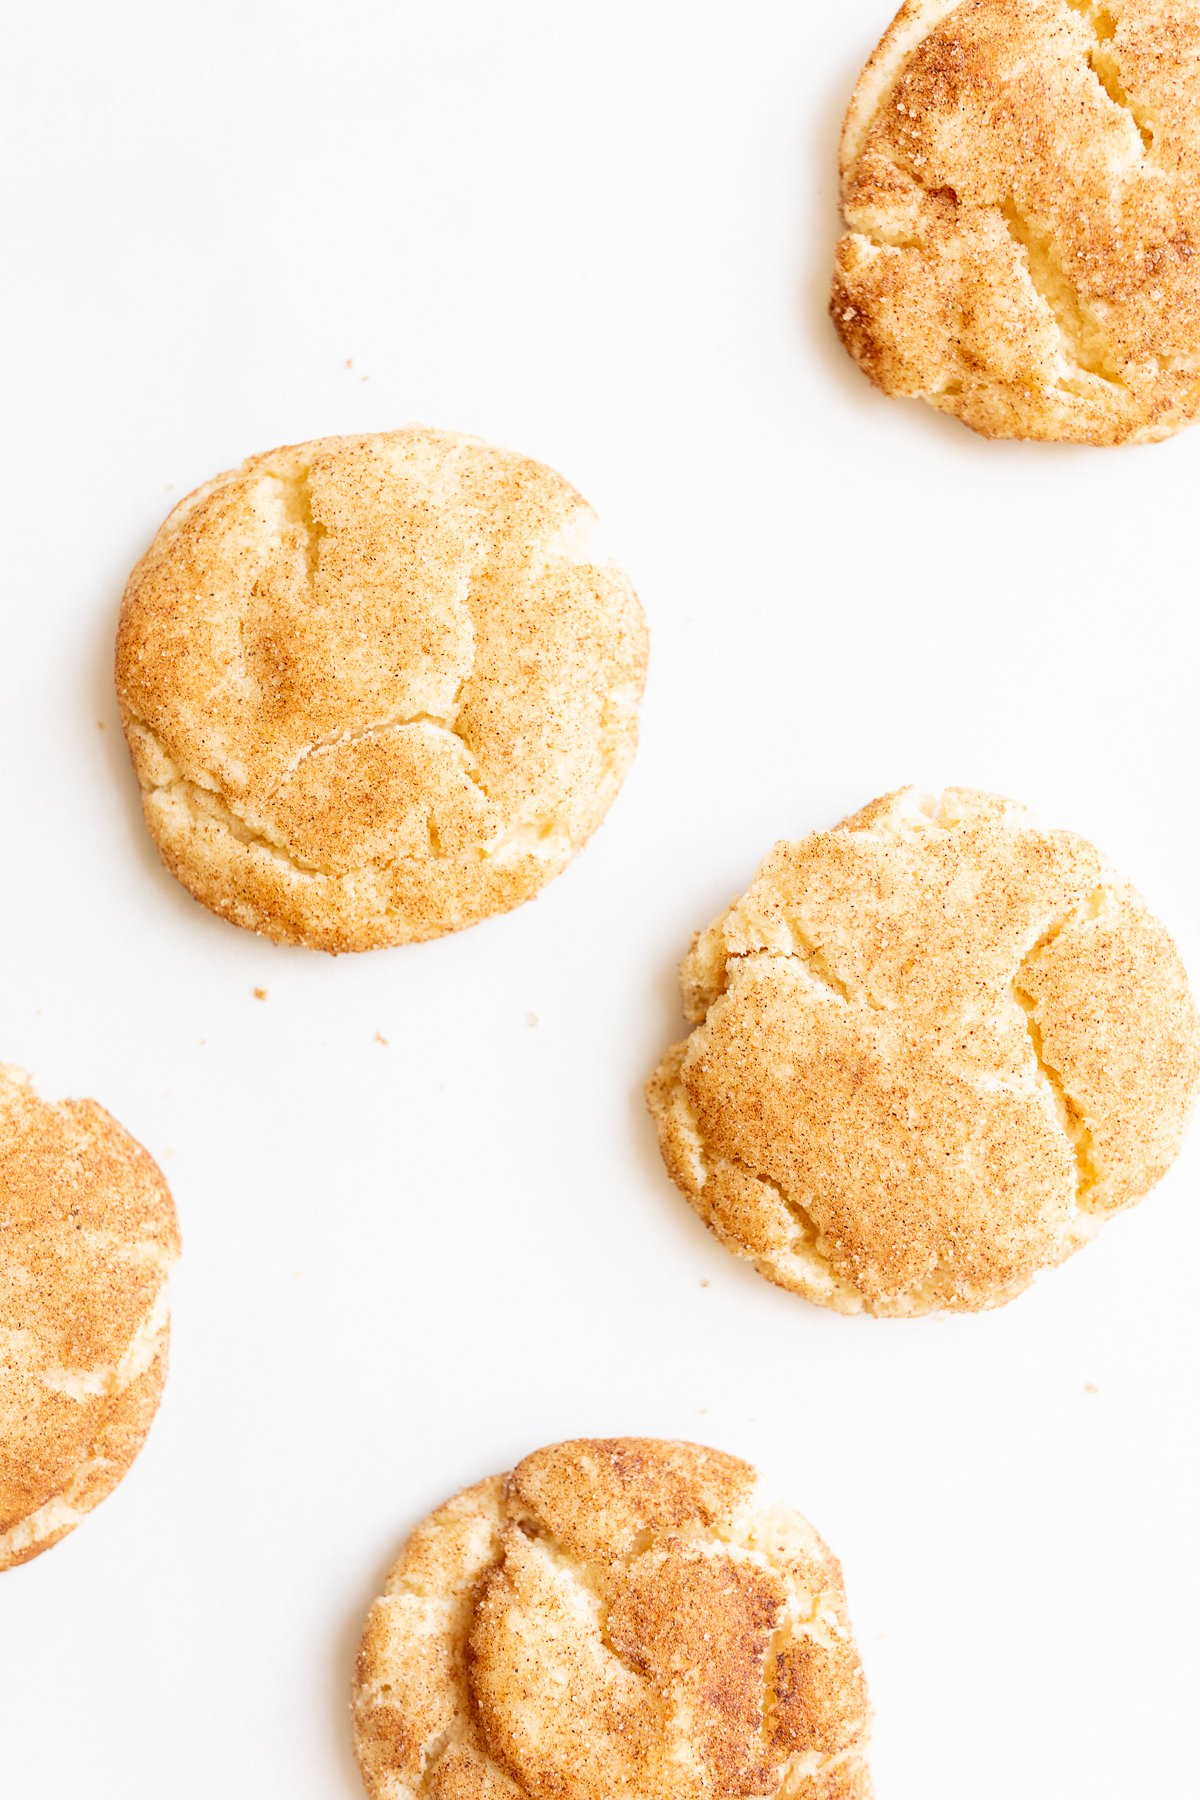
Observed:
{"x":1021,"y":190}
{"x":88,"y":1236}
{"x":935,"y":1049}
{"x":377,"y":688}
{"x":615,"y":1617}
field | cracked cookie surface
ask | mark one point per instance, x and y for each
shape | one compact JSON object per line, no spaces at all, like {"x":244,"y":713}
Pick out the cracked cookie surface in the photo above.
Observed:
{"x":376,"y":689}
{"x":935,"y":1049}
{"x":1021,"y":191}
{"x":88,"y":1236}
{"x":618,"y":1616}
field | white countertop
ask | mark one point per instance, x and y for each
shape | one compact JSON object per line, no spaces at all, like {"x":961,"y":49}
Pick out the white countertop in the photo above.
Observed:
{"x":601,"y":234}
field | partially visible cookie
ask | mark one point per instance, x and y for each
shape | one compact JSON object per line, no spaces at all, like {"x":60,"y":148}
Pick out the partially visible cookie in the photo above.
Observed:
{"x":935,"y":1049}
{"x":615,"y":1617}
{"x":377,"y":688}
{"x":1021,"y":190}
{"x":88,"y":1235}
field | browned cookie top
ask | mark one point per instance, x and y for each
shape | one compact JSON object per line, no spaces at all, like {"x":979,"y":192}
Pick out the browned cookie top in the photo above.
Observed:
{"x":934,"y":1049}
{"x":377,"y":688}
{"x":1021,"y":189}
{"x":614,"y":1617}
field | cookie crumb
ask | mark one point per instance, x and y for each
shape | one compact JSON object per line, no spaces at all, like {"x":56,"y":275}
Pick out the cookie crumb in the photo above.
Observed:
{"x":705,"y":1283}
{"x":349,"y":362}
{"x":380,"y":1039}
{"x":1089,"y":1387}
{"x":260,"y":993}
{"x":531,"y":1019}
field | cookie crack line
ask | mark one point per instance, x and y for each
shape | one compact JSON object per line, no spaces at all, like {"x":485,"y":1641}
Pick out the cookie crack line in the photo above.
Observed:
{"x":446,"y":722}
{"x":591,"y":1574}
{"x":58,"y":1515}
{"x":800,"y":1764}
{"x":1074,"y":1125}
{"x":297,"y":497}
{"x":296,"y":493}
{"x":1081,"y":337}
{"x":1071,"y":1115}
{"x":1102,"y":61}
{"x":220,"y":813}
{"x":816,"y":964}
{"x":438,"y":1747}
{"x":465,"y":1727}
{"x":790,"y":1624}
{"x":704,"y":1533}
{"x":425,"y":721}
{"x":111,"y":1380}
{"x":206,"y":802}
{"x":881,"y":238}
{"x":61,"y":1513}
{"x":811,"y":1240}
{"x":1080,"y":334}
{"x":203,"y":803}
{"x":807,"y":1247}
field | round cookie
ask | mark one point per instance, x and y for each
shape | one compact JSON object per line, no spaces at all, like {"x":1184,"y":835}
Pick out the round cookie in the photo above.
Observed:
{"x":935,"y":1049}
{"x":377,"y":688}
{"x":620,"y":1616}
{"x":88,"y":1235}
{"x":1021,"y":190}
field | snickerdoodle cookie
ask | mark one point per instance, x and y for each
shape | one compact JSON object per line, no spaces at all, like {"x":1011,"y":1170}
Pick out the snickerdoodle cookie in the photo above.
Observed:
{"x":87,"y":1239}
{"x":935,"y":1049}
{"x":377,"y":688}
{"x":1021,"y":191}
{"x":614,"y":1617}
